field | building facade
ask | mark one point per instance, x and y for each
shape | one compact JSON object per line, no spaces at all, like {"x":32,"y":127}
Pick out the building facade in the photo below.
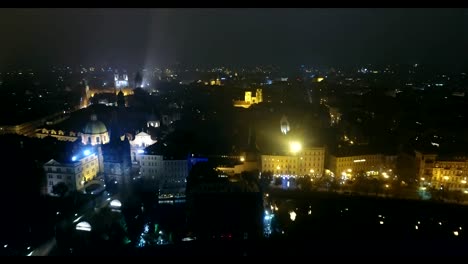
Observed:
{"x":309,"y":161}
{"x":249,"y":99}
{"x":74,"y":173}
{"x":449,"y":175}
{"x":371,"y":164}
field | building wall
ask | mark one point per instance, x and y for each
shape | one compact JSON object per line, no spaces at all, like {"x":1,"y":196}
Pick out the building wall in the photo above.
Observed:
{"x":449,"y":175}
{"x":358,"y":163}
{"x":73,"y":174}
{"x":95,"y":139}
{"x":308,"y":162}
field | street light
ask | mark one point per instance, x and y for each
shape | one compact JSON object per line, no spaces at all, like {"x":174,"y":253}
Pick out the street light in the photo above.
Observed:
{"x":295,"y":147}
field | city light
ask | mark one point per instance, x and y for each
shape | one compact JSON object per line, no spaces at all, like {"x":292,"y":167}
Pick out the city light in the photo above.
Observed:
{"x":74,"y":158}
{"x":140,"y":151}
{"x":83,"y":226}
{"x":423,"y":179}
{"x":359,"y":160}
{"x":87,"y":152}
{"x":115,"y":203}
{"x":295,"y":147}
{"x":455,"y":233}
{"x":292,"y":215}
{"x":242,"y":159}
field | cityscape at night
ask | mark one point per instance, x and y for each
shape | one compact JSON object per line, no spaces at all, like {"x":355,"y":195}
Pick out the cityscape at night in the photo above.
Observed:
{"x":239,"y":132}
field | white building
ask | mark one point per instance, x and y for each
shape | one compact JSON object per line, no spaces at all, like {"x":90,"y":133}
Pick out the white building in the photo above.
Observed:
{"x":137,"y":145}
{"x":74,"y":173}
{"x":121,"y":81}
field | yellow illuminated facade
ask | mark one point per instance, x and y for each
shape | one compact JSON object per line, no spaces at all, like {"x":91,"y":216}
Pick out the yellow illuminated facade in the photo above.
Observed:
{"x":308,"y":161}
{"x":450,"y":175}
{"x":74,"y":173}
{"x":350,"y":165}
{"x":249,"y":99}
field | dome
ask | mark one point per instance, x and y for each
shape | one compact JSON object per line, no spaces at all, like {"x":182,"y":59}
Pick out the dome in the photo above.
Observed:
{"x":94,"y":126}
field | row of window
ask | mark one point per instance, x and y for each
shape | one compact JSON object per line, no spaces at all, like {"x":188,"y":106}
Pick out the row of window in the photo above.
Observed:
{"x":51,"y":176}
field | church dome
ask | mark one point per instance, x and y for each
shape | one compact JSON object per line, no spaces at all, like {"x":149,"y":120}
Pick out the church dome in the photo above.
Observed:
{"x":94,"y":126}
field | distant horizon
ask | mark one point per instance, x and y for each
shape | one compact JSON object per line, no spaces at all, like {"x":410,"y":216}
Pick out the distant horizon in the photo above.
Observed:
{"x":204,"y":36}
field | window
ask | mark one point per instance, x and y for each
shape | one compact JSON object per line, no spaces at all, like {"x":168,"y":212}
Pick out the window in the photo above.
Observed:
{"x":97,"y":139}
{"x":51,"y":176}
{"x":59,"y":177}
{"x":51,"y":183}
{"x":49,"y":169}
{"x":89,"y":140}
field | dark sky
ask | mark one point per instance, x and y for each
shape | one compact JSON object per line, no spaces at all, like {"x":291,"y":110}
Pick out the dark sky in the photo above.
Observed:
{"x":137,"y":37}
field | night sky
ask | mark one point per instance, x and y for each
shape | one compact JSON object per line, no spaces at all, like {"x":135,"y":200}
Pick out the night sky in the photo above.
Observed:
{"x":147,"y":37}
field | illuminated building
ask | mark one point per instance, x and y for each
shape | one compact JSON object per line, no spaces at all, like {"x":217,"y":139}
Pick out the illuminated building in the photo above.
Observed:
{"x":284,"y":125}
{"x":309,"y":161}
{"x":369,"y":163}
{"x":58,"y":134}
{"x":449,"y":174}
{"x":73,"y":173}
{"x":171,"y":173}
{"x":335,"y":115}
{"x":121,"y":81}
{"x":137,"y":145}
{"x":152,"y":120}
{"x":249,"y":99}
{"x":94,"y":133}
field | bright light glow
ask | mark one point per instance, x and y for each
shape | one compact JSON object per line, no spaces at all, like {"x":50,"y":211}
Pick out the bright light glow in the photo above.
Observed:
{"x":242,"y":159}
{"x":87,"y":152}
{"x":359,"y":160}
{"x":455,"y":233}
{"x":278,"y":167}
{"x":185,"y":239}
{"x":310,"y":212}
{"x":5,"y":246}
{"x":416,"y":227}
{"x":78,"y":219}
{"x":311,"y":171}
{"x":381,"y":222}
{"x":349,"y":170}
{"x":295,"y":147}
{"x":460,"y":228}
{"x":423,"y":179}
{"x":115,"y":203}
{"x":140,"y":151}
{"x":463,"y":181}
{"x":446,"y":178}
{"x":319,"y":79}
{"x":30,"y":253}
{"x":292,"y":215}
{"x":83,"y":226}
{"x":74,"y":158}
{"x":387,"y":186}
{"x":440,"y":223}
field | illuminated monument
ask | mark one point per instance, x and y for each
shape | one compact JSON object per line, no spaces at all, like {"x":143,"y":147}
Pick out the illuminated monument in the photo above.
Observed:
{"x":249,"y":99}
{"x":121,"y":81}
{"x":94,"y":133}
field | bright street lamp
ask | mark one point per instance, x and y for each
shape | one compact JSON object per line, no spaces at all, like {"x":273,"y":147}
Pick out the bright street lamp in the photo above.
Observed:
{"x":295,"y":147}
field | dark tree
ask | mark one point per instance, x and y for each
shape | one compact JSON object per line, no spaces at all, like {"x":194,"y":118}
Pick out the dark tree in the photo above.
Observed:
{"x":60,"y":189}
